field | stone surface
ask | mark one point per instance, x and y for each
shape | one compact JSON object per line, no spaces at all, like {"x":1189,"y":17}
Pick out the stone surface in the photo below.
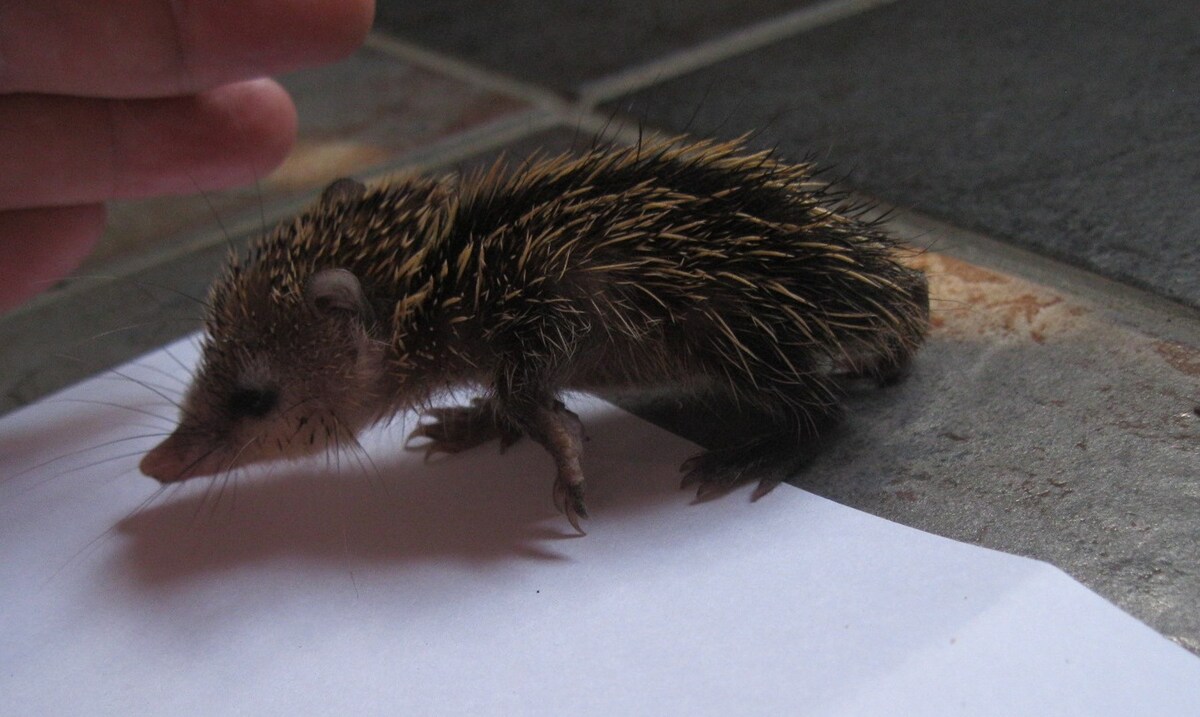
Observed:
{"x":102,"y":323}
{"x":1068,"y":127}
{"x":563,"y":44}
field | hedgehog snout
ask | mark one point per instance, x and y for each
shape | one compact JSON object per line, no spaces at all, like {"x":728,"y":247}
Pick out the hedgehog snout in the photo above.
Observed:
{"x":173,"y":460}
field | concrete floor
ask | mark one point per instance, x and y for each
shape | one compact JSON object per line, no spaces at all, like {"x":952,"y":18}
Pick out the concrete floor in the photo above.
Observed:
{"x":1055,"y":413}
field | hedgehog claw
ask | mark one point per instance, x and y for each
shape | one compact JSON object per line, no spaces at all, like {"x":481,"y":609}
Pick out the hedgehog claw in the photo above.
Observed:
{"x":568,"y":499}
{"x":433,"y":449}
{"x":765,"y":485}
{"x":708,"y":491}
{"x":718,"y":472}
{"x":711,"y":478}
{"x":453,"y":429}
{"x":507,"y":439}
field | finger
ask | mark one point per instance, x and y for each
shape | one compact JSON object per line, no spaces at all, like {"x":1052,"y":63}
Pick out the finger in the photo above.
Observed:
{"x":40,"y":246}
{"x":154,"y":48}
{"x":64,"y":150}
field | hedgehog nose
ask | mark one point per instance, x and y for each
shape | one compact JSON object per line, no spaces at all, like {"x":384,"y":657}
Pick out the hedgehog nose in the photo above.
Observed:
{"x":164,"y":463}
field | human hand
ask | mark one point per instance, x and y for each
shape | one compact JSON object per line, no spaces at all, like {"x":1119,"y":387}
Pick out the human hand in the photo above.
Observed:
{"x":133,"y":98}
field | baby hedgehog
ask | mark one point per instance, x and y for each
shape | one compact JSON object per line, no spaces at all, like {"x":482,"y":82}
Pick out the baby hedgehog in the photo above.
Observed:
{"x":692,"y":266}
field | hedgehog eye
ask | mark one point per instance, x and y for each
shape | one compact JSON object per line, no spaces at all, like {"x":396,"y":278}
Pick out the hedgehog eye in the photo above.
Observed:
{"x":252,"y":402}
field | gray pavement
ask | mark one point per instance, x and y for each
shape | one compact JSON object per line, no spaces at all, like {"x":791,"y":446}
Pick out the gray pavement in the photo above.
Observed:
{"x":561,"y":45}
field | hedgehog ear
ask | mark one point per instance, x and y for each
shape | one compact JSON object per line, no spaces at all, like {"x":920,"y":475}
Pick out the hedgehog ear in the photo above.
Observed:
{"x":343,"y":190}
{"x":337,"y":292}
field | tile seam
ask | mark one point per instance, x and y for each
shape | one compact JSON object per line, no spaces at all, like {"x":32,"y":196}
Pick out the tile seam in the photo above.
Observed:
{"x":603,"y":89}
{"x":738,"y":42}
{"x":465,"y":71}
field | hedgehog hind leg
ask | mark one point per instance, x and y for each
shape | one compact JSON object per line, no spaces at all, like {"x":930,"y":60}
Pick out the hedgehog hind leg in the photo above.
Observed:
{"x":770,"y":460}
{"x":453,"y":429}
{"x":888,"y":363}
{"x":771,"y":457}
{"x":885,"y":367}
{"x":560,"y":432}
{"x":718,"y":471}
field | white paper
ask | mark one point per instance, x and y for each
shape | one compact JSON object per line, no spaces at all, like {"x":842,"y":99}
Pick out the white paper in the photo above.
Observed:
{"x":389,"y":586}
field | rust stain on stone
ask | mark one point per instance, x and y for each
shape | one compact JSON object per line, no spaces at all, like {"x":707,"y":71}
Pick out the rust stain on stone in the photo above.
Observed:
{"x":968,"y":272}
{"x":970,"y":301}
{"x":1181,"y":357}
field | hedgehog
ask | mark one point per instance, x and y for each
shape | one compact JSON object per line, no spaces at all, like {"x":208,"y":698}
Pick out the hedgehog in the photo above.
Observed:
{"x":698,"y":267}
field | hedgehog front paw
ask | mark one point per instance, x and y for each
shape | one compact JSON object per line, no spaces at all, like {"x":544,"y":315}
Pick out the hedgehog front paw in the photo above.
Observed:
{"x":453,"y":429}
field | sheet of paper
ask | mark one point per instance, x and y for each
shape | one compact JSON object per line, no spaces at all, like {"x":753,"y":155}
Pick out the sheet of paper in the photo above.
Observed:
{"x":384,"y":585}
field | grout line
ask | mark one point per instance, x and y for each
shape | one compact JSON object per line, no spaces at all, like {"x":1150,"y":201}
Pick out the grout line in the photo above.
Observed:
{"x":465,"y":145}
{"x":466,"y":72}
{"x":567,"y":112}
{"x":603,"y":89}
{"x":722,"y":48}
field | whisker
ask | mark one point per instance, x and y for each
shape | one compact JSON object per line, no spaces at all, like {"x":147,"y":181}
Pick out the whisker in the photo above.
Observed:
{"x":179,"y":292}
{"x":186,"y":369}
{"x":101,"y":462}
{"x":208,"y":487}
{"x":361,"y":452}
{"x":213,"y":210}
{"x":131,"y":327}
{"x":110,"y":404}
{"x":347,"y":555}
{"x":160,"y":392}
{"x":96,"y":541}
{"x":222,"y":477}
{"x":122,"y":379}
{"x":222,"y":481}
{"x":150,"y":367}
{"x":141,"y":284}
{"x":262,"y":214}
{"x":80,"y":451}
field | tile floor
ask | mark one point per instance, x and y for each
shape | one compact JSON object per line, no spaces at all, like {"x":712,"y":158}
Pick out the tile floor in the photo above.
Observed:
{"x":1048,"y":153}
